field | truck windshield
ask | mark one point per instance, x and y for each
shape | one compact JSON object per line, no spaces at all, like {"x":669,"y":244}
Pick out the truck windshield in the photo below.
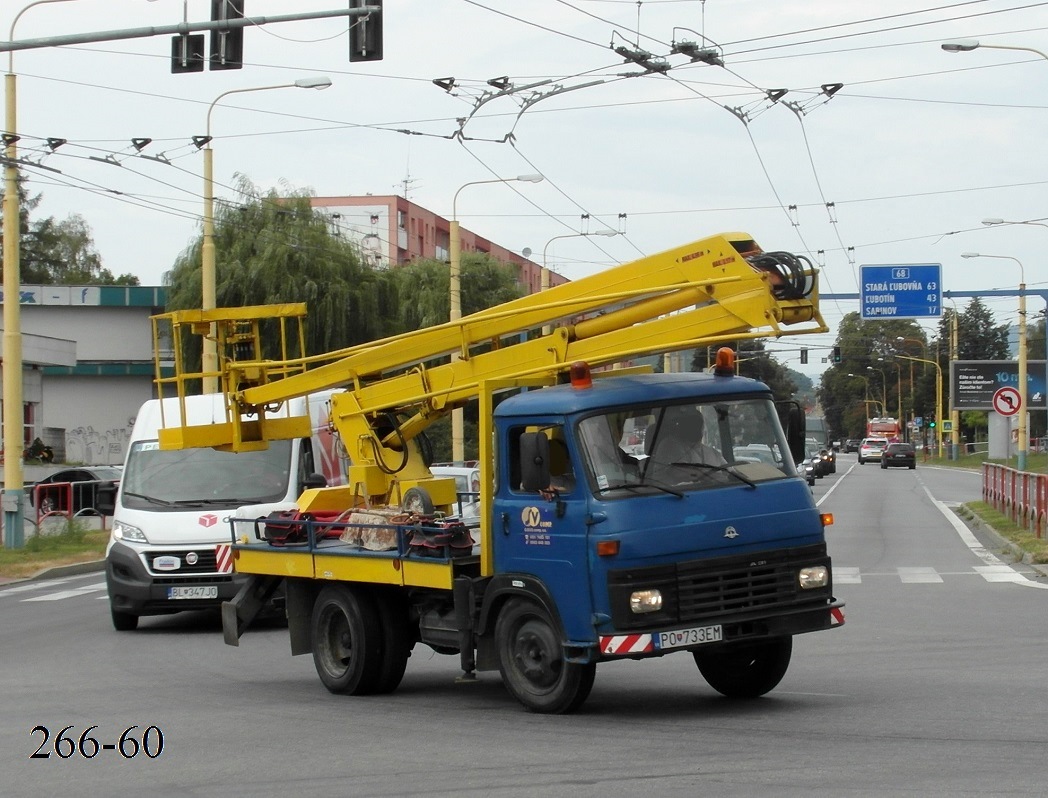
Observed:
{"x":683,"y":447}
{"x":156,"y":478}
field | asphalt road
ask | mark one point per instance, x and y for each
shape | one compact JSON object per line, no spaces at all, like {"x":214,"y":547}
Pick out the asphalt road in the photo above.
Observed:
{"x":934,"y":687}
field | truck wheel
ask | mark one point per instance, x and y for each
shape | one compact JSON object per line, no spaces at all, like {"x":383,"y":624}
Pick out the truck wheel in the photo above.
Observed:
{"x":397,"y":642}
{"x":746,"y":670}
{"x":347,"y":641}
{"x":532,"y":664}
{"x":124,"y":621}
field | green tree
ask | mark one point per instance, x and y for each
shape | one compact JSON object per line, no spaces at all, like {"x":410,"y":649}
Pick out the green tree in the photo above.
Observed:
{"x":868,"y":361}
{"x":53,"y":252}
{"x":272,"y":247}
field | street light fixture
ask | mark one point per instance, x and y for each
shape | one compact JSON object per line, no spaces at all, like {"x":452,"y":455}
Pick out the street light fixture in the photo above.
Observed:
{"x":209,"y":359}
{"x":545,"y":270}
{"x":884,"y":392}
{"x":455,"y":246}
{"x":1024,"y":440}
{"x":967,"y":45}
{"x":13,"y":421}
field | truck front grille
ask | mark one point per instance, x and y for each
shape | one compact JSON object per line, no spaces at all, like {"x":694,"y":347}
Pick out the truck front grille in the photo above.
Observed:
{"x":719,"y":588}
{"x":204,"y":564}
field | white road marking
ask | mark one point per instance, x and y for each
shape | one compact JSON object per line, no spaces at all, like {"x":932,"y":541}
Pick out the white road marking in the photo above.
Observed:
{"x":33,"y":586}
{"x":920,"y":574}
{"x":64,"y":594}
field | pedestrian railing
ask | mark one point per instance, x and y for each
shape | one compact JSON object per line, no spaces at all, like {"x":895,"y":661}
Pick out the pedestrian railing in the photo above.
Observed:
{"x":1020,"y":495}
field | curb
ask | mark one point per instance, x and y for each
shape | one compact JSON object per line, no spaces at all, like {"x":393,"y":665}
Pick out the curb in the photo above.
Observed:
{"x":73,"y":569}
{"x":976,"y":523}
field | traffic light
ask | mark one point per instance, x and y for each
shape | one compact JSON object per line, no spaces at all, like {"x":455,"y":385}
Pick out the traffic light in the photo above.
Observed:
{"x":931,"y":423}
{"x":804,"y":356}
{"x":836,"y":354}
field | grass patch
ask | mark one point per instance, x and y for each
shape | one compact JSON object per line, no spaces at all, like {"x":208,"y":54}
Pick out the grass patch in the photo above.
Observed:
{"x":1036,"y":547}
{"x":73,"y":544}
{"x":1035,"y":462}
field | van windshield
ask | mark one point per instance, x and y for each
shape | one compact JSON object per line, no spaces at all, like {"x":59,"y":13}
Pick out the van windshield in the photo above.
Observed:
{"x":155,"y":478}
{"x":684,"y":447}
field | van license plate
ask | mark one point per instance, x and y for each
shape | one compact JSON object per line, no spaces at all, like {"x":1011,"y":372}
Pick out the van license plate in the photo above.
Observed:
{"x":689,"y":637}
{"x":193,"y":592}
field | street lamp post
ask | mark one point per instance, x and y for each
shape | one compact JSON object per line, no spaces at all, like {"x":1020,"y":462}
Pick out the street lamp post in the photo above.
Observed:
{"x":938,"y":398}
{"x":884,"y":392}
{"x":455,"y":252}
{"x":867,"y":401}
{"x":545,"y":270}
{"x":209,"y":359}
{"x":1024,"y":440}
{"x":13,"y":421}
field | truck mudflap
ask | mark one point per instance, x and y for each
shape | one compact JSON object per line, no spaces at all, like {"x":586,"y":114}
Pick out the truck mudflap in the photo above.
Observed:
{"x":656,"y":643}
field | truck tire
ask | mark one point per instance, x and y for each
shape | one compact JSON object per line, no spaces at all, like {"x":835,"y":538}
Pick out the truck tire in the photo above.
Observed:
{"x":746,"y":670}
{"x":123,"y":621}
{"x":532,"y":664}
{"x":397,"y":642}
{"x":347,"y":641}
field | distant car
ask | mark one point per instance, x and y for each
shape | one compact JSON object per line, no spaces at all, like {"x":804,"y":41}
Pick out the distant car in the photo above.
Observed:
{"x":75,"y":485}
{"x":871,"y":449}
{"x":899,"y":454}
{"x":806,"y":468}
{"x":852,"y":445}
{"x":829,"y":461}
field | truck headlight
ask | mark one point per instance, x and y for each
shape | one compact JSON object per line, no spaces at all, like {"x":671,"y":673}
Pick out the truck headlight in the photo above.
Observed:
{"x":122,"y":531}
{"x":642,"y":601}
{"x":813,"y":577}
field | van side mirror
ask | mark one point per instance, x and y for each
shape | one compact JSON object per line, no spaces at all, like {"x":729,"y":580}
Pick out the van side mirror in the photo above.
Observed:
{"x":312,"y":481}
{"x":105,"y":498}
{"x":534,"y":461}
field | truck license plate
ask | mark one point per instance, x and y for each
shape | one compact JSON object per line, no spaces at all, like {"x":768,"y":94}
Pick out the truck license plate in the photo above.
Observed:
{"x":689,"y":637}
{"x":193,"y":592}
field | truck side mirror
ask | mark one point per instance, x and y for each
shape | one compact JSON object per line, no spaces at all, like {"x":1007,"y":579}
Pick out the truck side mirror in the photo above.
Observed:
{"x":312,"y":481}
{"x":791,"y":416}
{"x":105,"y":498}
{"x":534,"y":461}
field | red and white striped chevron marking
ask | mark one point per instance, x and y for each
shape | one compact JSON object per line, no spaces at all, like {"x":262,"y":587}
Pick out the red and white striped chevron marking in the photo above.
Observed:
{"x":623,"y":645}
{"x":836,"y":616}
{"x":224,"y":558}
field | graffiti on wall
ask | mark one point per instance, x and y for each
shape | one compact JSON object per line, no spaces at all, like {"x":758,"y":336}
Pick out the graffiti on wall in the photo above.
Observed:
{"x":97,"y":447}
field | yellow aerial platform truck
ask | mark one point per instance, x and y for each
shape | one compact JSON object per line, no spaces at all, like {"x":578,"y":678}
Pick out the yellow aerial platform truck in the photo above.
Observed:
{"x":603,"y":533}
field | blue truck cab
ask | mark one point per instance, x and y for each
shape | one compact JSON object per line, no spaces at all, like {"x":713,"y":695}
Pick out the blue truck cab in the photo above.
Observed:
{"x":646,"y":514}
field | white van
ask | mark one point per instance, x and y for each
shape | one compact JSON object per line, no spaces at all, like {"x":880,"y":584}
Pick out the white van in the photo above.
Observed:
{"x":172,"y":506}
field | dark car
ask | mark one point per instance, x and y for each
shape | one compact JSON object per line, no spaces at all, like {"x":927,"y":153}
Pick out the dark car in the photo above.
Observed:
{"x":806,"y":468}
{"x":71,"y":490}
{"x":852,"y":445}
{"x":899,"y":454}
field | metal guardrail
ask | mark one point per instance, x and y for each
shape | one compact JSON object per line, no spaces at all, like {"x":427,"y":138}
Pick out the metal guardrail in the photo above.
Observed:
{"x":1021,"y":495}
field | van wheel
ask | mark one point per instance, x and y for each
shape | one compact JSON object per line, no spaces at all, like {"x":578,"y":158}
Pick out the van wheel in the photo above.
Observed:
{"x":746,"y":670}
{"x":347,"y":641}
{"x":124,"y":621}
{"x":532,"y":664}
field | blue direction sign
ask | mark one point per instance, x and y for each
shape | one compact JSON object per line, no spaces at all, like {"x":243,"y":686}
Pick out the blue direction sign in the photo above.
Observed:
{"x":901,"y":291}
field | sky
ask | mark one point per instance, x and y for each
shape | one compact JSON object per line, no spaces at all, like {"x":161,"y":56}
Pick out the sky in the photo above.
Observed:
{"x":899,"y":165}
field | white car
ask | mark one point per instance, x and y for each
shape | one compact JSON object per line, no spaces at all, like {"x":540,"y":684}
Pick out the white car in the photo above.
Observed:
{"x":872,"y":449}
{"x":467,"y":485}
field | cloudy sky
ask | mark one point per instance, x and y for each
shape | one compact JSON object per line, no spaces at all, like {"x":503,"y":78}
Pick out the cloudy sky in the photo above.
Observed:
{"x":899,"y":165}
